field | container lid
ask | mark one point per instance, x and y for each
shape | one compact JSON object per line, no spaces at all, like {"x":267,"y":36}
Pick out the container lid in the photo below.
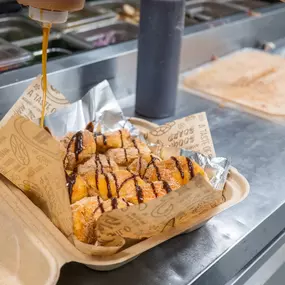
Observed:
{"x":12,"y":55}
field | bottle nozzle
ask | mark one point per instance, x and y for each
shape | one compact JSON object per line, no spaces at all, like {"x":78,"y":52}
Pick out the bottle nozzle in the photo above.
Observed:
{"x":47,"y":16}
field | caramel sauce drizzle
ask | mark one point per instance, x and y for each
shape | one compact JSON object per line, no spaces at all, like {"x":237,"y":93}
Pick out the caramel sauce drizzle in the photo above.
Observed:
{"x":46,"y":31}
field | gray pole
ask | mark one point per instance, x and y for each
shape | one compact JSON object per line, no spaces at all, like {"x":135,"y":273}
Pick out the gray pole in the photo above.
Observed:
{"x":159,"y":44}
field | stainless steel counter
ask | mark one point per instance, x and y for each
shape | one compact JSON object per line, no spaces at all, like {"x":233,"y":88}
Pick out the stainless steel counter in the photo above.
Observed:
{"x":215,"y":253}
{"x":218,"y":252}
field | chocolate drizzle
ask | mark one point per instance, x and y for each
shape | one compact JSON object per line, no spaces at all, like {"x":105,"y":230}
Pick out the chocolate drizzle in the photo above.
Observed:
{"x":139,"y":190}
{"x":127,"y":203}
{"x":178,"y":166}
{"x":153,"y":189}
{"x":121,"y":137}
{"x":166,"y":187}
{"x":126,"y":180}
{"x":103,"y":137}
{"x":140,"y":165}
{"x":116,"y":184}
{"x":97,"y":159}
{"x":109,"y":163}
{"x":136,"y":146}
{"x":190,"y":167}
{"x":77,"y":149}
{"x":97,"y":170}
{"x":114,"y":203}
{"x":90,"y":127}
{"x":100,"y":206}
{"x":157,"y":171}
{"x":126,"y":155}
{"x":70,"y":181}
{"x":109,"y":194}
{"x":78,"y":144}
{"x":153,"y":159}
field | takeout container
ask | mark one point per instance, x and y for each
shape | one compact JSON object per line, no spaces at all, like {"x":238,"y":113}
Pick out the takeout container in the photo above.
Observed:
{"x":47,"y":247}
{"x":31,"y":236}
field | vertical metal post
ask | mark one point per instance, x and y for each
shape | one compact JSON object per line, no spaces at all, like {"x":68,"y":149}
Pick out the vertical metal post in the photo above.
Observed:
{"x":159,"y":45}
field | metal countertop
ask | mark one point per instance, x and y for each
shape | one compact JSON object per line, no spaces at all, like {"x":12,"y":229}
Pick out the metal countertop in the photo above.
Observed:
{"x":219,"y":250}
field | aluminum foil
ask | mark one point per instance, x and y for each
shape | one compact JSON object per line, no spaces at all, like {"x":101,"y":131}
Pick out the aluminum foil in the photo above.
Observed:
{"x":217,"y":168}
{"x":100,"y":106}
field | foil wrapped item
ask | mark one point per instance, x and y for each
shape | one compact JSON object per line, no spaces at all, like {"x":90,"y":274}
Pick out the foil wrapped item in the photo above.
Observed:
{"x":100,"y":106}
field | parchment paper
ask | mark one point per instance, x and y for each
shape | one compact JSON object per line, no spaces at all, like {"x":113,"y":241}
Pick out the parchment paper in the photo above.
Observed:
{"x":30,"y":159}
{"x":29,"y":105}
{"x":147,"y":219}
{"x":190,"y":132}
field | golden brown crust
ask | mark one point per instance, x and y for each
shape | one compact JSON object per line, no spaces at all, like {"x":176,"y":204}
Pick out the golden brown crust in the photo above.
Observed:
{"x":99,"y":163}
{"x":87,"y":211}
{"x":142,"y":163}
{"x":79,"y":189}
{"x":114,"y":171}
{"x":79,"y":147}
{"x":180,"y":168}
{"x":117,"y":139}
{"x":125,"y":156}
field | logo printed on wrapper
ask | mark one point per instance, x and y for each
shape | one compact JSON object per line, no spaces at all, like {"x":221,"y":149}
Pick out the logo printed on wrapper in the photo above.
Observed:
{"x":19,"y":150}
{"x":20,"y":124}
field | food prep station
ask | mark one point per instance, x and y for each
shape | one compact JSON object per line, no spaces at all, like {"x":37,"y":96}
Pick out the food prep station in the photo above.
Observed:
{"x":236,"y":247}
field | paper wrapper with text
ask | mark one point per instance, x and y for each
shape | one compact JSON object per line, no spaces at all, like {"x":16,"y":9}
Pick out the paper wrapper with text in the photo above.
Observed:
{"x":191,"y":132}
{"x":30,"y":158}
{"x":156,"y":216}
{"x":29,"y":105}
